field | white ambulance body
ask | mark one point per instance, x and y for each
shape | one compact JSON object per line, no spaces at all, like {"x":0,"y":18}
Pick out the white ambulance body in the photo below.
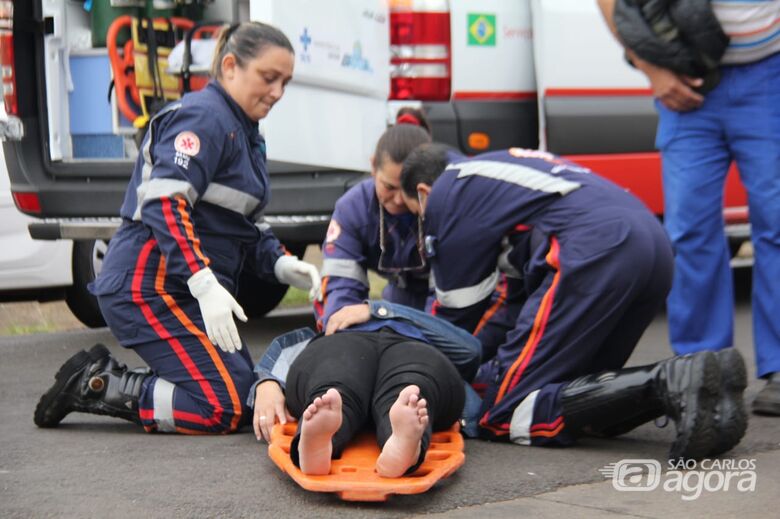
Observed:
{"x":490,"y":74}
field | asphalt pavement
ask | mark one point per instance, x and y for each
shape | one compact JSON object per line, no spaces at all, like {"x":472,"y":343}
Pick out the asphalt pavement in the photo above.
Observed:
{"x":95,"y":466}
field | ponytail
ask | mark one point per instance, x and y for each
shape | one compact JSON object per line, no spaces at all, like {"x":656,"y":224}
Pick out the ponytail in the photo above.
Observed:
{"x":246,"y":41}
{"x":411,"y":129}
{"x":413,"y":116}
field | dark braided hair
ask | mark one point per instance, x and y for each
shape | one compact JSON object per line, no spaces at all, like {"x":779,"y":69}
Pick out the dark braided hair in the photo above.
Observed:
{"x":411,"y":130}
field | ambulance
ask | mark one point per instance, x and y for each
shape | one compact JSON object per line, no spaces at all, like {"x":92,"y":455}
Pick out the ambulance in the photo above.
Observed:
{"x":490,"y":74}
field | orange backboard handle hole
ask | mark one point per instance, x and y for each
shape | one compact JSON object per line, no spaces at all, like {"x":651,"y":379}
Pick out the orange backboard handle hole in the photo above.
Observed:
{"x":437,"y":456}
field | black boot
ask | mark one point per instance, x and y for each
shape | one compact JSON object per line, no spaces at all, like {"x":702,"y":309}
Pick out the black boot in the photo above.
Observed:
{"x":92,"y":382}
{"x":730,"y":414}
{"x":683,"y":388}
{"x":767,"y":401}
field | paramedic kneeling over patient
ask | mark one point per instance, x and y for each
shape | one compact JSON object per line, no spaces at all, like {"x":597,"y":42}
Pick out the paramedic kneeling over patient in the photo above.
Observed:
{"x":191,"y":222}
{"x":397,"y":367}
{"x":372,"y":229}
{"x":593,"y":283}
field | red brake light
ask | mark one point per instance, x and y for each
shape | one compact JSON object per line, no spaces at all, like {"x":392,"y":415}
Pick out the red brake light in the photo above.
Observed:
{"x":27,"y":202}
{"x":7,"y":56}
{"x":420,"y":50}
{"x":410,"y":28}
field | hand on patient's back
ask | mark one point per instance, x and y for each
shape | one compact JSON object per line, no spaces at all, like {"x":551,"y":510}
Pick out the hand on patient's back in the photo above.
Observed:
{"x":348,"y":316}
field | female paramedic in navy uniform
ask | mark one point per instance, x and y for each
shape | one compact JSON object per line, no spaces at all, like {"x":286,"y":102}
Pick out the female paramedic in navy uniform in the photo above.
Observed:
{"x":371,"y":228}
{"x":191,"y":221}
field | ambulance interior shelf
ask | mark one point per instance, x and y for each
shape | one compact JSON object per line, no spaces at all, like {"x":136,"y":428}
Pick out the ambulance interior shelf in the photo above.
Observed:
{"x":144,"y":79}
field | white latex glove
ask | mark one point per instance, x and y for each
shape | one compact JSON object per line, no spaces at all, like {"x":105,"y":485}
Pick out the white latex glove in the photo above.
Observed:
{"x":292,"y":271}
{"x":217,"y":307}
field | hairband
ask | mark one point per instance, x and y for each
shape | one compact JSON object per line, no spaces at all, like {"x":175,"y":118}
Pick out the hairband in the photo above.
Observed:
{"x":230,"y":30}
{"x":408,"y":119}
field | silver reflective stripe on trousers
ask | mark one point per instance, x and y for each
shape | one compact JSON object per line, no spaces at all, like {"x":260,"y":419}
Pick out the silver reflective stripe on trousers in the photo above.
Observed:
{"x":163,"y":405}
{"x":520,"y":427}
{"x":344,"y":268}
{"x":229,"y":198}
{"x":523,"y":176}
{"x":463,"y":297}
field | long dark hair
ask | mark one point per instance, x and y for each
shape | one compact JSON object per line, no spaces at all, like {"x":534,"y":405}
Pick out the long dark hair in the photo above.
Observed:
{"x":246,"y":41}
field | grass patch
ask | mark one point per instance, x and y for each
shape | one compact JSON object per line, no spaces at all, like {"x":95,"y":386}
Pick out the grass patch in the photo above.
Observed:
{"x":296,"y":298}
{"x":26,"y":330}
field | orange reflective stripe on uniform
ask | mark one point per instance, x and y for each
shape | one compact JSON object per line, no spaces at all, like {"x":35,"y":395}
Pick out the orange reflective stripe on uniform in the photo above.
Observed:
{"x":516,"y":370}
{"x":159,"y":286}
{"x":164,"y":334}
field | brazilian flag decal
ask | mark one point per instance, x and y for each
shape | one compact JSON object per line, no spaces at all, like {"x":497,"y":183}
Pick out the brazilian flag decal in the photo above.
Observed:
{"x":482,"y":29}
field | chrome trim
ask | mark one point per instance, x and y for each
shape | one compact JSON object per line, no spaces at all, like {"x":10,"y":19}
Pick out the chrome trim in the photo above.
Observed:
{"x":419,"y":51}
{"x":11,"y":128}
{"x":418,"y":70}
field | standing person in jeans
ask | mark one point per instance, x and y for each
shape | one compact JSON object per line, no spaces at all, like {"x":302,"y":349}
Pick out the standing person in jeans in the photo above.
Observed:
{"x":699,"y":135}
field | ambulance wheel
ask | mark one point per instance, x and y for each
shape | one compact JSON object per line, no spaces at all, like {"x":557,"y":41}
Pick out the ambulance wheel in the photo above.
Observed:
{"x":258,"y":297}
{"x":87,"y":262}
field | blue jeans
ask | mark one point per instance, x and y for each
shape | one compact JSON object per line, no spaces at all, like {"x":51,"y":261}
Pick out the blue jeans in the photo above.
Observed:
{"x":739,"y":121}
{"x":462,"y":348}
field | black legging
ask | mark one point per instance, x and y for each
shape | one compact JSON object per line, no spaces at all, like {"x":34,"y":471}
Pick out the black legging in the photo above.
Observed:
{"x":370,"y":369}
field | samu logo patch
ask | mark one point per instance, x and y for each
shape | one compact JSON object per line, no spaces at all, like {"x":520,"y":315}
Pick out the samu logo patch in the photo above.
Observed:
{"x":186,"y":145}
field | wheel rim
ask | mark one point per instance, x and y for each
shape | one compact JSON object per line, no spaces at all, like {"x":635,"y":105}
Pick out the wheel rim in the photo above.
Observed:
{"x":98,"y":253}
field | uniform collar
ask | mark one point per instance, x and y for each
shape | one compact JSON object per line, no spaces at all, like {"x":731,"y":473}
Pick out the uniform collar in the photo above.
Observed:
{"x":249,"y":125}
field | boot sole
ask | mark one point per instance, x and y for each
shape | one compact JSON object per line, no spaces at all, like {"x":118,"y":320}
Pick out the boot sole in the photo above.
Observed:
{"x":51,"y":408}
{"x":766,"y":408}
{"x":732,"y":419}
{"x":697,"y":433}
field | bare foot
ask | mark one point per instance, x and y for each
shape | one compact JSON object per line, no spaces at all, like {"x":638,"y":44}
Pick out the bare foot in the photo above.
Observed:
{"x":321,"y":420}
{"x":409,"y":418}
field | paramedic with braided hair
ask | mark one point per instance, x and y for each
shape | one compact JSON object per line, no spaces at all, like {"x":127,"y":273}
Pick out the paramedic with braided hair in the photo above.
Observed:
{"x":191,"y":222}
{"x":371,"y":228}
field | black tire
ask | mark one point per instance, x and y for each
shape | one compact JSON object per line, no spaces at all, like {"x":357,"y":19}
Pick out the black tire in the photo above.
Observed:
{"x":258,"y":297}
{"x":87,"y":261}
